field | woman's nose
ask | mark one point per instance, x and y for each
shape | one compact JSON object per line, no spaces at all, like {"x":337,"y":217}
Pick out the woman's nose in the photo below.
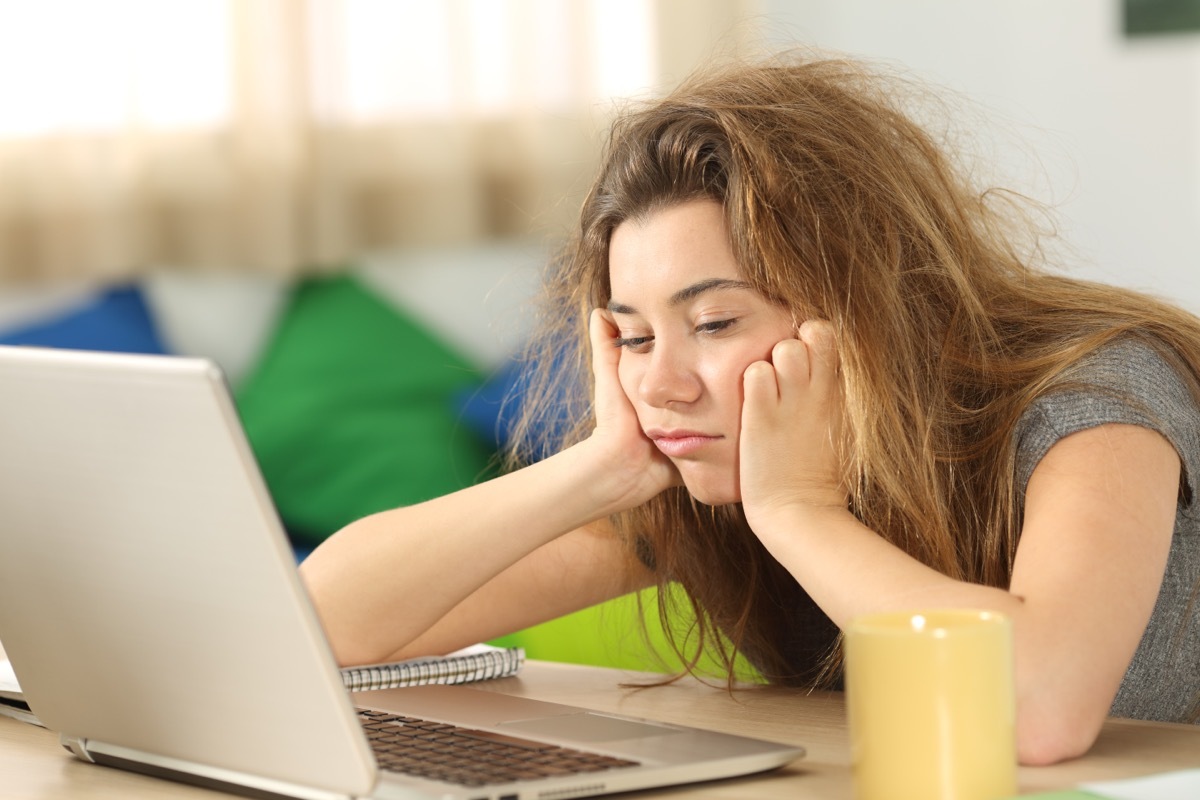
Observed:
{"x":669,"y":378}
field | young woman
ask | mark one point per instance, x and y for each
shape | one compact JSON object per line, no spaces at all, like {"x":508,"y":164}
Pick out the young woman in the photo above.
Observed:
{"x":819,"y":374}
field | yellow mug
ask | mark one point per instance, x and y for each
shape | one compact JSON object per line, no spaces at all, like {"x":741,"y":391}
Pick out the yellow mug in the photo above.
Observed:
{"x":931,"y":705}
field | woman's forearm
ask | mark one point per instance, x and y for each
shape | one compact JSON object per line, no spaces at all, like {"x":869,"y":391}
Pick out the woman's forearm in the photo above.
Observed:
{"x":1059,"y":660}
{"x":385,"y":579}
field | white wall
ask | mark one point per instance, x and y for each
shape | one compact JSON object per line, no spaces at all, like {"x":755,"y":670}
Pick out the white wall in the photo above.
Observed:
{"x":1116,"y":121}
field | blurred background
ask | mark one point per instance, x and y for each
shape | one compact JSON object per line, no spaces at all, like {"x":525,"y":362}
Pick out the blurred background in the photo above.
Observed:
{"x":347,"y":203}
{"x":179,"y":175}
{"x":222,"y":149}
{"x":213,"y":152}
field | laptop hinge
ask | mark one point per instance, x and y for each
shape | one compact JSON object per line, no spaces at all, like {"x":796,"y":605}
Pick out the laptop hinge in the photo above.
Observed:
{"x":225,"y":780}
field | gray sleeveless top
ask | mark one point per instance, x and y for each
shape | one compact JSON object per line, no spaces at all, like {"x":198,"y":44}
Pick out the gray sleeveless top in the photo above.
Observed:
{"x":1128,"y":382}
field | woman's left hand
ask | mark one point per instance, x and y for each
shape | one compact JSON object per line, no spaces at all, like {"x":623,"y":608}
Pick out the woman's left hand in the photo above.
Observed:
{"x":791,"y":437}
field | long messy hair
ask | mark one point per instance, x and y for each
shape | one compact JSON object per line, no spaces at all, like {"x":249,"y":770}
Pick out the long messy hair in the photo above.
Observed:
{"x":840,"y":207}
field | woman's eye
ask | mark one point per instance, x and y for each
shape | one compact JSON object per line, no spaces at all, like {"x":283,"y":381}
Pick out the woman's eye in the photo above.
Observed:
{"x":636,"y":344}
{"x":715,"y":326}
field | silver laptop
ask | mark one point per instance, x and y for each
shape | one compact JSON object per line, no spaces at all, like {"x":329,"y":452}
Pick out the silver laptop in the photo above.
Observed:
{"x":151,"y":608}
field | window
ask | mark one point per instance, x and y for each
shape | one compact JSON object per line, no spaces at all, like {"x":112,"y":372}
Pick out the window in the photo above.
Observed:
{"x":285,"y":135}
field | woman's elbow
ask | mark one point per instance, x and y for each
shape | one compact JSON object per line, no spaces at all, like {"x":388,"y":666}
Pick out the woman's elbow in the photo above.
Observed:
{"x":337,"y":615}
{"x":1049,"y":733}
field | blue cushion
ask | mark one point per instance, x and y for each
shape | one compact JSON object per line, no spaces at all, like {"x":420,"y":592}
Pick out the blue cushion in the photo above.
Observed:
{"x":492,"y":410}
{"x":117,"y":320}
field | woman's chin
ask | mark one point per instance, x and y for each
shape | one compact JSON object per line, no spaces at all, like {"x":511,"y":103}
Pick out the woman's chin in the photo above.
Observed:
{"x":711,"y":492}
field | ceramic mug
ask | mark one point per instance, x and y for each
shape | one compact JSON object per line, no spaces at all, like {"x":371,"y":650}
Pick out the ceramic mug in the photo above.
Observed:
{"x":931,"y":705}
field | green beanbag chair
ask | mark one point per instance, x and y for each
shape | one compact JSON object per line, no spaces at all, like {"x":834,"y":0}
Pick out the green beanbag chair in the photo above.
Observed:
{"x":612,"y":634}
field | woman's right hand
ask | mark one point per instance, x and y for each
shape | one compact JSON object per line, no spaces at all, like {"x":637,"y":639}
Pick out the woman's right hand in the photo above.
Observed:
{"x":638,"y":470}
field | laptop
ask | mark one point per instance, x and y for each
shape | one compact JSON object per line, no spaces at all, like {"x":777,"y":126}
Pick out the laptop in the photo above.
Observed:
{"x":152,"y":610}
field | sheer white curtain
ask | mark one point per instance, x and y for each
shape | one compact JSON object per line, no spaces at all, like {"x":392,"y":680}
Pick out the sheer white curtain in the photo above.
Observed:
{"x":290,"y":135}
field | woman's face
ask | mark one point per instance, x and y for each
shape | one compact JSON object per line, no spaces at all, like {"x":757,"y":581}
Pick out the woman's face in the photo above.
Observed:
{"x":689,"y":326}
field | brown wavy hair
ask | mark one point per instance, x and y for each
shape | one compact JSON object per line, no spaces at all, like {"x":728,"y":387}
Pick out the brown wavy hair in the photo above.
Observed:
{"x":841,"y":207}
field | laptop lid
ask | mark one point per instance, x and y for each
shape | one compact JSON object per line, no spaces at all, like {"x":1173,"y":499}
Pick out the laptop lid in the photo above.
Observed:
{"x":151,"y":608}
{"x":125,"y":486}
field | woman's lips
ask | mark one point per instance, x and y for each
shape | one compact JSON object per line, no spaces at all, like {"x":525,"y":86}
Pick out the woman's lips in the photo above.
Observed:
{"x":679,"y":444}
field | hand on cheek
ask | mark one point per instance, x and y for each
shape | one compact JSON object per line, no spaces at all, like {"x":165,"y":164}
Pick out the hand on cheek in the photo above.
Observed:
{"x":791,"y":426}
{"x":618,"y":431}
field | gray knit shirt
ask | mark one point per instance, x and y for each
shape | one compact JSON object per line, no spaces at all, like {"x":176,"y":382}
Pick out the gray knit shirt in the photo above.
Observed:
{"x":1128,"y":382}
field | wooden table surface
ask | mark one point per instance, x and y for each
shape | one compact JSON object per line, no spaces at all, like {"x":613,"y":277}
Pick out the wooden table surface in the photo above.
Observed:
{"x":33,"y":766}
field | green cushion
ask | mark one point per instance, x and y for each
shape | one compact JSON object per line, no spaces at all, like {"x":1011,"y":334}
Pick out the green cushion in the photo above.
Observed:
{"x":350,"y":410}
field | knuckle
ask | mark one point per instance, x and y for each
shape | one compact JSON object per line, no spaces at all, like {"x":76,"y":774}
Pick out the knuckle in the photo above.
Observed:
{"x":758,"y":371}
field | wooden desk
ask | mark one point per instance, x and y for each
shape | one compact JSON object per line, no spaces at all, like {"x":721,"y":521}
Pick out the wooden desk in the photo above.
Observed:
{"x":34,"y":767}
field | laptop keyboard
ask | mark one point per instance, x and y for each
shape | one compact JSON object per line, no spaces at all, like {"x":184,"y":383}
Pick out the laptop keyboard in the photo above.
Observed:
{"x":468,"y":757}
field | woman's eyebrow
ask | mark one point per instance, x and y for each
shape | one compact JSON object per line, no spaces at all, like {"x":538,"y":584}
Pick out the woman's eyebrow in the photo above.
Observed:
{"x":687,"y":293}
{"x":699,"y":288}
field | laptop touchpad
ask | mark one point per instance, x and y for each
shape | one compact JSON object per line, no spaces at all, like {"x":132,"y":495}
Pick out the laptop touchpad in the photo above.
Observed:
{"x":587,"y":727}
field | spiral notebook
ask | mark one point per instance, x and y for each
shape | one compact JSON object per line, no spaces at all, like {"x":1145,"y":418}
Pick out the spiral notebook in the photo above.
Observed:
{"x":478,"y":663}
{"x":12,"y":700}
